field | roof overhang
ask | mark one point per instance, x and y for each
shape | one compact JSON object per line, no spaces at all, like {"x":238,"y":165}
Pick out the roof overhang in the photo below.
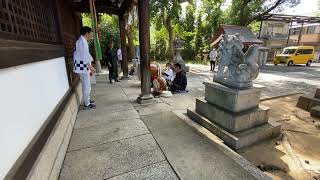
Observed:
{"x":290,"y":18}
{"x":117,"y":7}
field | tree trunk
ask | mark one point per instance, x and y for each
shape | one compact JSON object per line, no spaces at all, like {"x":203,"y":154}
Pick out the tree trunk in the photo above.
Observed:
{"x":171,"y":37}
{"x":131,"y":49}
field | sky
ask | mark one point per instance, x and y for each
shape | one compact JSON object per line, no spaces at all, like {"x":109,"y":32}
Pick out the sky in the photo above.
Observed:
{"x":305,"y":8}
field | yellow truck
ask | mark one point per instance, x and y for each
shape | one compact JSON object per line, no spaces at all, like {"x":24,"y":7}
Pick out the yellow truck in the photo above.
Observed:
{"x":295,"y":55}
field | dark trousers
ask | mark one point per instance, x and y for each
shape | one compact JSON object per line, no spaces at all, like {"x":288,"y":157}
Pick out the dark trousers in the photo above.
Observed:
{"x":113,"y":72}
{"x":175,"y":88}
{"x":213,"y":65}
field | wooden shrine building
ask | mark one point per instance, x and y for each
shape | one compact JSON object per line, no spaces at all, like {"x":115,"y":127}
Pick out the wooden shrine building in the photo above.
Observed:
{"x":40,"y":94}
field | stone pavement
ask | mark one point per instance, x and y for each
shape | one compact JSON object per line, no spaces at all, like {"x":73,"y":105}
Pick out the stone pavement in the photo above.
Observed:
{"x":121,"y":139}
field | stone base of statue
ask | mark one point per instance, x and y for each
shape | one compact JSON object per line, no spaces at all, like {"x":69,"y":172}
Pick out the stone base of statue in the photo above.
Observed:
{"x":234,"y":115}
{"x":233,"y":84}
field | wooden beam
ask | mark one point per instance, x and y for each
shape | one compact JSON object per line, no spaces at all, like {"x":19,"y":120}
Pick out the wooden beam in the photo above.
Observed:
{"x":101,"y":7}
{"x":123,"y":37}
{"x":144,"y":38}
{"x":14,"y":53}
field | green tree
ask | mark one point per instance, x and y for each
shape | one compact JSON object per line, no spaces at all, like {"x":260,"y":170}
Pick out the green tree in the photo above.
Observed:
{"x":213,"y":18}
{"x":166,"y":12}
{"x":199,"y":32}
{"x":186,"y":30}
{"x":243,"y":12}
{"x":188,"y":22}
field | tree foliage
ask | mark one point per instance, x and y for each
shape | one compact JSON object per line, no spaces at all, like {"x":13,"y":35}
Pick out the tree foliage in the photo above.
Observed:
{"x":108,"y":27}
{"x":166,"y":13}
{"x":196,"y":25}
{"x":243,"y":12}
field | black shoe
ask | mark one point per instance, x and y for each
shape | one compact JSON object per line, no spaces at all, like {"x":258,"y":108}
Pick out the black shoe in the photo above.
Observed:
{"x":110,"y":81}
{"x":90,"y":106}
{"x":92,"y":101}
{"x":117,"y":80}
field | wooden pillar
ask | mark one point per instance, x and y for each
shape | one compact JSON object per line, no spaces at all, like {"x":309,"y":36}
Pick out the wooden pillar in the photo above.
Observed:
{"x":300,"y":34}
{"x":144,"y":38}
{"x":58,"y":20}
{"x":289,"y":34}
{"x":122,"y":23}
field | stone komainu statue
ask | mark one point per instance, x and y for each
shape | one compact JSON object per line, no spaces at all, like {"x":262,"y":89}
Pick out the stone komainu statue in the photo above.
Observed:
{"x":236,"y":68}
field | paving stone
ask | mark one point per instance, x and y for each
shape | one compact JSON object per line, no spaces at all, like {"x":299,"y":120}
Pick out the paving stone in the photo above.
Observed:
{"x":154,"y":108}
{"x":133,"y":97}
{"x":159,"y":171}
{"x":192,"y":155}
{"x":111,"y":159}
{"x":91,"y":120}
{"x":107,"y":132}
{"x":109,"y":100}
{"x":131,"y":90}
{"x":100,"y":110}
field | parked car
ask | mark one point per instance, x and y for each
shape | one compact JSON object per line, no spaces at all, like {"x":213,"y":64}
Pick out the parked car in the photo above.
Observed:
{"x":295,"y":55}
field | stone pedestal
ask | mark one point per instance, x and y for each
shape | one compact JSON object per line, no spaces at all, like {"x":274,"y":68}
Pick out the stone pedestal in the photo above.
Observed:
{"x":310,"y":104}
{"x":234,"y":115}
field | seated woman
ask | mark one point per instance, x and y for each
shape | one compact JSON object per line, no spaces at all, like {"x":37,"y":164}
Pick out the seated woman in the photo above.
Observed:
{"x":179,"y":83}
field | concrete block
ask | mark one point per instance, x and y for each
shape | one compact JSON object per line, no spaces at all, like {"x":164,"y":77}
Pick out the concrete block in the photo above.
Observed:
{"x":240,"y":139}
{"x":315,"y":111}
{"x":307,"y":103}
{"x":303,"y":102}
{"x":54,"y":175}
{"x":233,"y":122}
{"x":317,"y":94}
{"x":314,"y":102}
{"x":47,"y":158}
{"x":233,"y":100}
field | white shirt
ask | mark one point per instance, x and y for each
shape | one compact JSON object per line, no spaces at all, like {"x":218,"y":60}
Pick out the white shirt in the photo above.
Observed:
{"x":170,"y":73}
{"x":213,"y":55}
{"x":119,"y":54}
{"x":82,"y":57}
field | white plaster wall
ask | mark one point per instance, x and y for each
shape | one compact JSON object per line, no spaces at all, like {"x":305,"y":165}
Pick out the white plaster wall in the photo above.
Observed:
{"x":28,"y":94}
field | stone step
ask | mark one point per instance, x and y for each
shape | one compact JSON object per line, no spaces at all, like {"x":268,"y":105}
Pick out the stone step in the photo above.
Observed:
{"x":315,"y":111}
{"x":307,"y":103}
{"x":240,"y":139}
{"x":233,"y":122}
